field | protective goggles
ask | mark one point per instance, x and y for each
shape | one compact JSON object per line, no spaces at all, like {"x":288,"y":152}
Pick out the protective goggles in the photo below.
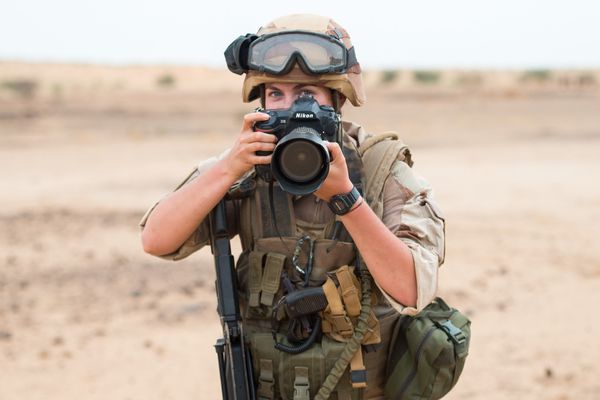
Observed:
{"x":276,"y":53}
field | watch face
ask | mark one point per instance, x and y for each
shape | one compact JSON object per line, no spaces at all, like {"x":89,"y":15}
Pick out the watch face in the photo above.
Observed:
{"x":342,"y":203}
{"x":339,"y":204}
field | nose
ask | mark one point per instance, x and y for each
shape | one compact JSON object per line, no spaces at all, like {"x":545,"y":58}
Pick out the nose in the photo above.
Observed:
{"x":289,"y":99}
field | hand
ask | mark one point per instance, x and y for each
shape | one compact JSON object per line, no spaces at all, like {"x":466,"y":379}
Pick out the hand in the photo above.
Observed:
{"x":242,"y":156}
{"x":337,"y":180}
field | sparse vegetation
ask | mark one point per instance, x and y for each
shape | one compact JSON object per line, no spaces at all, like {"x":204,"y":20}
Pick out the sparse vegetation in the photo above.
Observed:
{"x":23,"y":88}
{"x":586,"y":79}
{"x":426,"y":77}
{"x":388,"y":76}
{"x":536,"y":75}
{"x":165,"y":81}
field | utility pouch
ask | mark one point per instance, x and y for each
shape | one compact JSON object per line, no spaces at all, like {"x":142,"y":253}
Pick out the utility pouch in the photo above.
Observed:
{"x":262,"y":279}
{"x":280,"y":375}
{"x":427,"y":353}
{"x":343,"y":290}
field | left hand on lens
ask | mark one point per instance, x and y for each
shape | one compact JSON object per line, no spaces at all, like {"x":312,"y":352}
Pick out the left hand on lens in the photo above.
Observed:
{"x":337,"y":180}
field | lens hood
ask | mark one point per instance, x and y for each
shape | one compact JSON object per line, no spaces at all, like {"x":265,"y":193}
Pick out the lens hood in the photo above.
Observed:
{"x":300,"y":161}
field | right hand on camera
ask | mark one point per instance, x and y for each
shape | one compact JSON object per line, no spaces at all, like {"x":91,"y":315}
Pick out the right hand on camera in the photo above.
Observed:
{"x":242,"y":156}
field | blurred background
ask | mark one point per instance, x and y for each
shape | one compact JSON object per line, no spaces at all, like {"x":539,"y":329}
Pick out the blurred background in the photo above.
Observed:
{"x":106,"y":106}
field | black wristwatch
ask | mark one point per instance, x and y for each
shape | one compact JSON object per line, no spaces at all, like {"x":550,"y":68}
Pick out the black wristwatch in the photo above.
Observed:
{"x":341,"y":204}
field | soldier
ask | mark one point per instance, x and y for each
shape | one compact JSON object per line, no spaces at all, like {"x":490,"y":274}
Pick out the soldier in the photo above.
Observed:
{"x":398,"y":232}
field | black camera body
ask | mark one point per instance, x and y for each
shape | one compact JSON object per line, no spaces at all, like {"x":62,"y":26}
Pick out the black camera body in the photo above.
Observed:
{"x":300,"y":161}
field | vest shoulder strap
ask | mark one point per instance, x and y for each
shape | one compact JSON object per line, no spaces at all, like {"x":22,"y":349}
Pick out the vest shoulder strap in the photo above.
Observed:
{"x":378,"y":153}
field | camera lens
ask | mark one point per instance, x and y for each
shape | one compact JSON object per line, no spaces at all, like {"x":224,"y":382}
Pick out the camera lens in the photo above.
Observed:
{"x":300,"y":161}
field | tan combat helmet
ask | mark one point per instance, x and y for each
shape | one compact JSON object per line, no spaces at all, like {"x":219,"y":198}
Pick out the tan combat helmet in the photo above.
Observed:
{"x":297,"y":60}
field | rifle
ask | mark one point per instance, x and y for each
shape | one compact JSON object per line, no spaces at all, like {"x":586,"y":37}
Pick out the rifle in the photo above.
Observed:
{"x":235,"y":365}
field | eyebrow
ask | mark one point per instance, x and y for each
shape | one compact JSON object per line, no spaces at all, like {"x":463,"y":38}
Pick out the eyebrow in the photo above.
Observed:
{"x":298,"y":86}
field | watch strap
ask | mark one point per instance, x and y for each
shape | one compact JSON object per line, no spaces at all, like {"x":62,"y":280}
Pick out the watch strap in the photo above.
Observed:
{"x":341,"y":204}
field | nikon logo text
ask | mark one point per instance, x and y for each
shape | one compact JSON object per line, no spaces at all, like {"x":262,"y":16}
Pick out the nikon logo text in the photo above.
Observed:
{"x":301,"y":115}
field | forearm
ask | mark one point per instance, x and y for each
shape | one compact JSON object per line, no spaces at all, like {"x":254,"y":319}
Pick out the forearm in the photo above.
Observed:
{"x":178,"y":215}
{"x":388,"y":258}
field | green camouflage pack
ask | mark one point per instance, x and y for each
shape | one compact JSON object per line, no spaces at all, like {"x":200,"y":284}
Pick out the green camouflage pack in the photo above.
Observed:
{"x":428,"y":353}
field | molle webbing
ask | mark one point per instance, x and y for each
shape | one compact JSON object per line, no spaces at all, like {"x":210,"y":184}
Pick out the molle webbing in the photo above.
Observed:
{"x":255,"y":277}
{"x":271,"y":277}
{"x":266,"y":380}
{"x":264,"y":225}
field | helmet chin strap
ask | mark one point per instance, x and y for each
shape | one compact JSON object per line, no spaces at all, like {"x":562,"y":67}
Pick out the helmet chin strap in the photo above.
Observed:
{"x":335,"y":99}
{"x":263,"y":96}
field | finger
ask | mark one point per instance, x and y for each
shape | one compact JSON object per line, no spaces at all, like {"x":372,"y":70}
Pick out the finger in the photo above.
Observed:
{"x":261,"y":146}
{"x":251,"y":118}
{"x":258,"y":137}
{"x":260,"y":159}
{"x":335,"y":150}
{"x":264,"y":137}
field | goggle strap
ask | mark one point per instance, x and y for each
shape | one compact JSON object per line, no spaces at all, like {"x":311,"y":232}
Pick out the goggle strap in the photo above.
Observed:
{"x":351,"y":58}
{"x":236,"y":54}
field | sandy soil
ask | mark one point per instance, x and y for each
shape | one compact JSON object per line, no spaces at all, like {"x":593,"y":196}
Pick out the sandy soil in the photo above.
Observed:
{"x":85,"y":314}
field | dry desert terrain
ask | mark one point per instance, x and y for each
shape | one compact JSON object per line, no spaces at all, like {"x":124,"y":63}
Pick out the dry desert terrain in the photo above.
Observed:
{"x":85,"y":150}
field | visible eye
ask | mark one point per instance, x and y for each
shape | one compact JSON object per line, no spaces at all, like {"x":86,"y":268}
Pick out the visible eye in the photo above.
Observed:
{"x":274,"y":93}
{"x":306,"y":92}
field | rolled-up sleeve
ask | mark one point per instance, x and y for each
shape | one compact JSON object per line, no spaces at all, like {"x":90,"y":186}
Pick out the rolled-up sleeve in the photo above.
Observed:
{"x":410,"y":212}
{"x":201,"y":236}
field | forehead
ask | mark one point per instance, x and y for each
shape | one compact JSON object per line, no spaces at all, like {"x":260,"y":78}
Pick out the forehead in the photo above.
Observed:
{"x":292,"y":86}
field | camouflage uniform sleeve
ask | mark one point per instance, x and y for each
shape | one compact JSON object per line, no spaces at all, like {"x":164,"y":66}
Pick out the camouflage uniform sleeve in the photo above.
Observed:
{"x":201,"y":236}
{"x":411,"y":213}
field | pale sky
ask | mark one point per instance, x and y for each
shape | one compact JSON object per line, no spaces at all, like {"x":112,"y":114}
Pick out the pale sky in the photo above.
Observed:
{"x":386,"y":34}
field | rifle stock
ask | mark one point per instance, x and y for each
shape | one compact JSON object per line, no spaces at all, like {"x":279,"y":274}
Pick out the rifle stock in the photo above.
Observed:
{"x":234,"y":362}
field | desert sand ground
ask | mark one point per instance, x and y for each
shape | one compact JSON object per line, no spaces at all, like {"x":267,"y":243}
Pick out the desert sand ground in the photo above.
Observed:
{"x":85,"y":314}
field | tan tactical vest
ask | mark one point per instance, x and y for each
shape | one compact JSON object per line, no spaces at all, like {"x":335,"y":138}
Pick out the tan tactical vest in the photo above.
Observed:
{"x":270,"y":241}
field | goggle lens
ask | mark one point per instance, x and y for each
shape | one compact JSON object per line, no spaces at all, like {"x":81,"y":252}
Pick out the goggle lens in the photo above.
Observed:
{"x":276,"y":53}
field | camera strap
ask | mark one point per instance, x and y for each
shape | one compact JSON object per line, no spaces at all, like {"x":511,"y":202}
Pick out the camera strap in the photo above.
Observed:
{"x":353,"y":163}
{"x":273,"y":216}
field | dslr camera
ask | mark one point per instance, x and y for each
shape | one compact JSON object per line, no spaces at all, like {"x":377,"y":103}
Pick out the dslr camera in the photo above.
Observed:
{"x":300,"y":161}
